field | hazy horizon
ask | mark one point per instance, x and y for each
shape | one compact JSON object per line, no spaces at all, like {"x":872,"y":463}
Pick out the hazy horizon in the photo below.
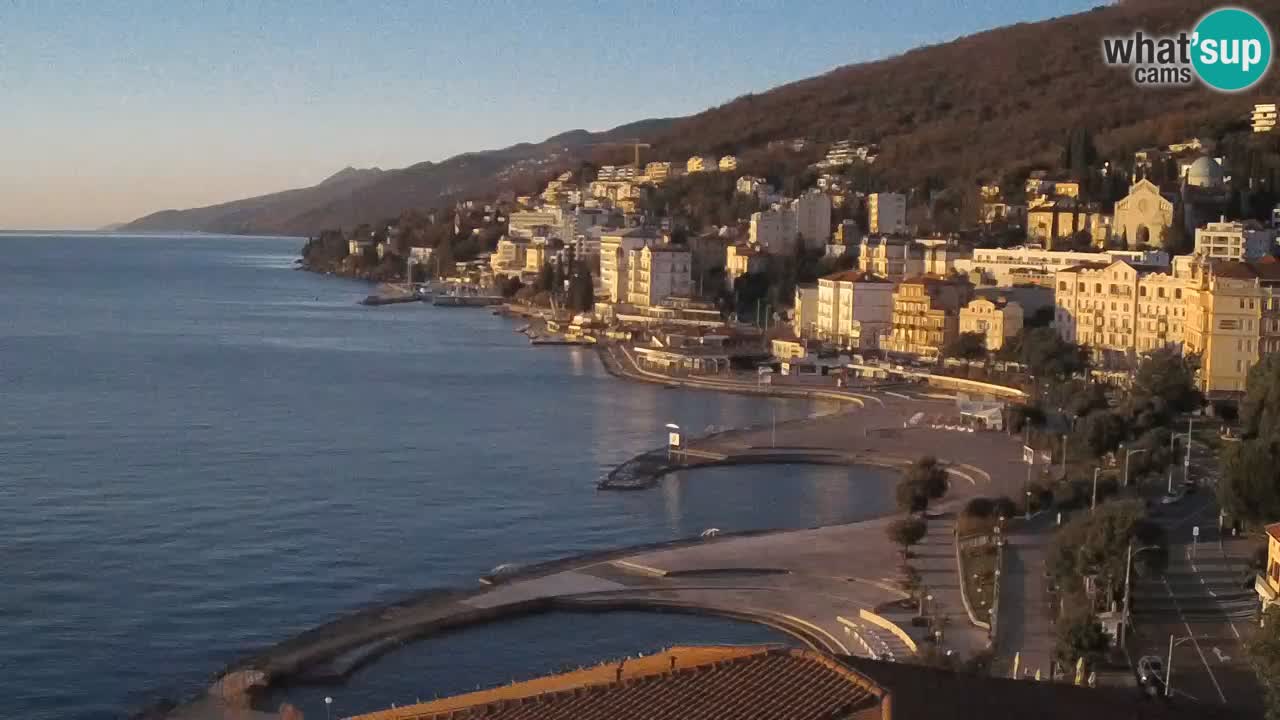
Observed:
{"x":117,"y":110}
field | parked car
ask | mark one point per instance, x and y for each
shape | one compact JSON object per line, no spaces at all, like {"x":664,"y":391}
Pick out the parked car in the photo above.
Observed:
{"x":1150,"y":671}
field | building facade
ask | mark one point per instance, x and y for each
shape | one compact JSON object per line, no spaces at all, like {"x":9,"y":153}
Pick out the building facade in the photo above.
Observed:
{"x":926,"y":315}
{"x":997,"y":320}
{"x":854,"y":309}
{"x":886,"y":213}
{"x":615,"y":252}
{"x":656,"y":273}
{"x":1234,"y":241}
{"x":804,"y":316}
{"x":701,"y":163}
{"x":1143,"y":216}
{"x":1121,"y":310}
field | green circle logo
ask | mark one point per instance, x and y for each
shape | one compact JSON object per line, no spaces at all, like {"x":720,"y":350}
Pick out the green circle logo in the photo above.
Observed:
{"x":1231,"y":49}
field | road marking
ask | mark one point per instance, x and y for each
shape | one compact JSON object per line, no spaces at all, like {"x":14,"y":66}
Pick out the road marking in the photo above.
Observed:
{"x":1221,"y":658}
{"x":898,"y":395}
{"x":1203,"y":660}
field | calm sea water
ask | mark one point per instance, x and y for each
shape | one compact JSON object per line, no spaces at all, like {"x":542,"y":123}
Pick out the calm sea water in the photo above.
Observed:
{"x":203,"y":451}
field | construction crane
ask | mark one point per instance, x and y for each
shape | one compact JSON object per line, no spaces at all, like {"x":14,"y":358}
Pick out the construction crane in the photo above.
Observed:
{"x":633,"y":143}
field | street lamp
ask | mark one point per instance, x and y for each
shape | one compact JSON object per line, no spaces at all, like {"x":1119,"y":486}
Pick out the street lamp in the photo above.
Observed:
{"x":1128,"y":453}
{"x":1093,"y":503}
{"x":1168,"y":667}
{"x":328,"y":703}
{"x":1128,"y":567}
{"x":673,"y":438}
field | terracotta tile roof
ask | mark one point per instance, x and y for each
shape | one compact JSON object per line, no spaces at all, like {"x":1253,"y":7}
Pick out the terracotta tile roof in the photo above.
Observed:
{"x":922,"y":693}
{"x":711,"y":683}
{"x":1274,"y":530}
{"x":852,"y":276}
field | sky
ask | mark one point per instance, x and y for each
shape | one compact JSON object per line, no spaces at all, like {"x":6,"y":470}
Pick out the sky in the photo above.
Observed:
{"x":112,"y":109}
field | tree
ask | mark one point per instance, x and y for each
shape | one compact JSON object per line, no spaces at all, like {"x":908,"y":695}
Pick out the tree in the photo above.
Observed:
{"x":1263,"y":652}
{"x":1250,"y":484}
{"x":906,"y":531}
{"x":1080,"y":635}
{"x":967,"y":346}
{"x":1260,"y":411}
{"x":1168,"y":375}
{"x":911,"y":496}
{"x":1049,"y":357}
{"x":929,"y":476}
{"x":581,"y":289}
{"x":1101,"y":431}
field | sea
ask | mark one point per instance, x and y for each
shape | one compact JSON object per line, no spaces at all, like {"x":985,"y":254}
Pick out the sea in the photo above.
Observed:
{"x":204,"y":450}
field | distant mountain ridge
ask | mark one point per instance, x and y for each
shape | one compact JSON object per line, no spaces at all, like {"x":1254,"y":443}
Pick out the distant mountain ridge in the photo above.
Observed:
{"x":352,"y":196}
{"x":986,"y":106}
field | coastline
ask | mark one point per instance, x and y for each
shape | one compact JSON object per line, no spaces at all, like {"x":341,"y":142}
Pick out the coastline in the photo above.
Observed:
{"x":330,"y":652}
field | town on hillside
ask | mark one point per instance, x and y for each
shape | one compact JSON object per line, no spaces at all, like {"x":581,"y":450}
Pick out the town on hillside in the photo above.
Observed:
{"x":811,"y":265}
{"x":1119,"y":314}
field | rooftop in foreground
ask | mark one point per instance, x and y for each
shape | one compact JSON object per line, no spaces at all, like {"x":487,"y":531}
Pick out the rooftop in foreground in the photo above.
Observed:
{"x":770,"y":682}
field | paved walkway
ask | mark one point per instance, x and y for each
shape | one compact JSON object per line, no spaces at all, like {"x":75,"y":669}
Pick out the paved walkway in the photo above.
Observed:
{"x":1025,"y":627}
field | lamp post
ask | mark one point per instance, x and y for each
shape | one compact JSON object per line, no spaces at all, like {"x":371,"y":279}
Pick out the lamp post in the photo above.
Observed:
{"x":1128,"y":567}
{"x":328,"y":703}
{"x":1168,"y":666}
{"x":1093,"y":503}
{"x":673,"y":439}
{"x":1129,"y":453}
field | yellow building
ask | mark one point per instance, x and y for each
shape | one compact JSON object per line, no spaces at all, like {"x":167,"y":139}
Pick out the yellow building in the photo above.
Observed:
{"x":1119,"y":310}
{"x":701,"y":163}
{"x":1143,"y":216}
{"x":658,"y":172}
{"x":1050,"y":222}
{"x":997,"y":320}
{"x":1267,"y":585}
{"x":1233,"y":319}
{"x":926,"y":315}
{"x":728,"y":163}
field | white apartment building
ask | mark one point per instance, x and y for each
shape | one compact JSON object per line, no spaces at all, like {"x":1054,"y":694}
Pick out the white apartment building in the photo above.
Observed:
{"x":528,"y":223}
{"x":890,"y":258}
{"x":887,"y":212}
{"x":616,"y":247}
{"x":616,"y":173}
{"x":812,"y":213}
{"x":772,"y":229}
{"x":659,"y":172}
{"x":1030,"y":264}
{"x":1235,"y":241}
{"x":658,"y":272}
{"x":854,"y":309}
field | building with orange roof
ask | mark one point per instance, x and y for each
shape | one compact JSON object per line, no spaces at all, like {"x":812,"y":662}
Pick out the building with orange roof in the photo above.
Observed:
{"x":775,"y":683}
{"x":1267,"y":584}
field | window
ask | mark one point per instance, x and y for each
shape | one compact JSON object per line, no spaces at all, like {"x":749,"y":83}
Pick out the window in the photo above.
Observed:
{"x":1228,"y":325}
{"x":1159,"y":292}
{"x":1177,"y":293}
{"x":1142,"y":291}
{"x":1097,"y":288}
{"x":1062,"y":285}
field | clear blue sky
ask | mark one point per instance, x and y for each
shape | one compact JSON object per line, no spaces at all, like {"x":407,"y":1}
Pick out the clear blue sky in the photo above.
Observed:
{"x":112,"y":109}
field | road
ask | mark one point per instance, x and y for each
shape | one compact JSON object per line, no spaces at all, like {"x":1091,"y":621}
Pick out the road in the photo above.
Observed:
{"x":1205,"y":601}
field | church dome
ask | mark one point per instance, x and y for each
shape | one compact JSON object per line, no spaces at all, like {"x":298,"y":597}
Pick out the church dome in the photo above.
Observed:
{"x":1205,"y":173}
